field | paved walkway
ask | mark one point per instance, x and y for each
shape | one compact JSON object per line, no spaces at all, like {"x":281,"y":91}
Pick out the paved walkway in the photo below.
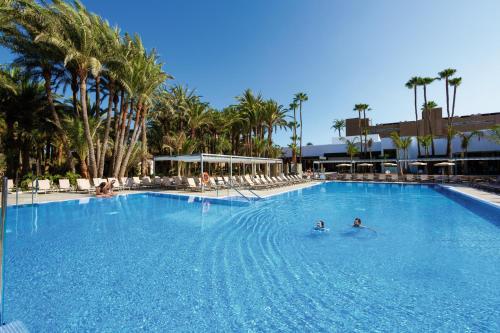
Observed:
{"x":26,"y":198}
{"x":476,"y":193}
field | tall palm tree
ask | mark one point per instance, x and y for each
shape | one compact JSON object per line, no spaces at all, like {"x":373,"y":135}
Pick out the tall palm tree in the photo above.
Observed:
{"x":425,"y":82}
{"x":428,"y":107}
{"x":455,"y":82}
{"x":293,"y":106}
{"x":75,"y":37}
{"x":300,"y":98}
{"x":338,"y":125}
{"x":363,"y":128}
{"x":274,"y":117}
{"x":413,"y":84}
{"x":446,"y":74}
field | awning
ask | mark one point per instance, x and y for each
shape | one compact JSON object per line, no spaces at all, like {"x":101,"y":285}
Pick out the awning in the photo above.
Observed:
{"x":216,"y":158}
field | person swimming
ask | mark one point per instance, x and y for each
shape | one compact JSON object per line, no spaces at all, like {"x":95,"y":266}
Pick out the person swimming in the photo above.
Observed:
{"x":320,"y":225}
{"x":357,"y":223}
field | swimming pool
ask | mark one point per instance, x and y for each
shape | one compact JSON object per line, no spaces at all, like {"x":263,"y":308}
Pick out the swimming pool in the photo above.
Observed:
{"x":162,"y":263}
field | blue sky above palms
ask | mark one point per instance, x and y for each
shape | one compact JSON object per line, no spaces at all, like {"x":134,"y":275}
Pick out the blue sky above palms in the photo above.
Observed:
{"x":339,"y":52}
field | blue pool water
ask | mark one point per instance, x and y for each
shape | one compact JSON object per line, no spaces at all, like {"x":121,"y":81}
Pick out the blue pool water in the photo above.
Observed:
{"x":155,"y":263}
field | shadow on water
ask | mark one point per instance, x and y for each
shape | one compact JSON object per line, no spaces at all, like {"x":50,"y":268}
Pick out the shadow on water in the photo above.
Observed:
{"x":359,"y":233}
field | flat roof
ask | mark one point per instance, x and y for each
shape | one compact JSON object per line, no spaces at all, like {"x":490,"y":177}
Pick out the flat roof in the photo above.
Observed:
{"x":218,"y":158}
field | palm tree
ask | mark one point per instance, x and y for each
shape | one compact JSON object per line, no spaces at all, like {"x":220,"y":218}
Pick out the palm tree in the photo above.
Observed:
{"x":300,"y":98}
{"x":455,"y":82}
{"x":424,"y":82}
{"x":426,"y":142}
{"x":413,"y":84}
{"x":351,"y":148}
{"x":338,"y":125}
{"x":274,"y":117}
{"x":428,"y":108}
{"x":402,"y":144}
{"x":363,"y":129}
{"x":446,"y":74}
{"x":369,"y":146}
{"x":465,"y":139}
{"x":293,"y":107}
{"x":75,"y":37}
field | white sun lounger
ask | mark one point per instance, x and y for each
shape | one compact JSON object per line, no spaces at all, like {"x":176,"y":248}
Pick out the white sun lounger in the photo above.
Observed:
{"x":64,"y":185}
{"x":83,"y":184}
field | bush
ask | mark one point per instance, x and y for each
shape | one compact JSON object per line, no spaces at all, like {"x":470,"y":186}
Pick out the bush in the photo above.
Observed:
{"x":72,"y":176}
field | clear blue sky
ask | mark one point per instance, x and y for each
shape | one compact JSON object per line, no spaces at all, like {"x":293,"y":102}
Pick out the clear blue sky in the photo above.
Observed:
{"x":339,"y":52}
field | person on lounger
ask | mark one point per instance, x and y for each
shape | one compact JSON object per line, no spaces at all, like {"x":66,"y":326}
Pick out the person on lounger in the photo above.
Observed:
{"x":105,"y":189}
{"x":357,"y":223}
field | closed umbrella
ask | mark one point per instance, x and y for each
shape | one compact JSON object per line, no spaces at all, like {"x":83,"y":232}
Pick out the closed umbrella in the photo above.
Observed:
{"x":444,"y":164}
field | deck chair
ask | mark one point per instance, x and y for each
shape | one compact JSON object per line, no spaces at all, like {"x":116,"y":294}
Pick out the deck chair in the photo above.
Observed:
{"x":83,"y":184}
{"x":191,"y":185}
{"x":146,"y":182}
{"x":10,"y":185}
{"x":64,"y":185}
{"x":410,"y":178}
{"x":348,"y":176}
{"x":97,"y":181}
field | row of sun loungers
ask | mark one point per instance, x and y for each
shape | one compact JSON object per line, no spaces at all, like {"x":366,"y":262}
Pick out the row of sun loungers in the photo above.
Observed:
{"x":175,"y":183}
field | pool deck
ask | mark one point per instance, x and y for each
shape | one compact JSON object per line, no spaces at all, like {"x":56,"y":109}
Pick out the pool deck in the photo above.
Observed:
{"x":25,"y":198}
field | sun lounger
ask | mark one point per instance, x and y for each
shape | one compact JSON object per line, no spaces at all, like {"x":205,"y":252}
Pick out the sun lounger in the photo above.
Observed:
{"x":393,"y":177}
{"x":83,"y":184}
{"x":10,"y":185}
{"x":221,"y":182}
{"x":146,"y":182}
{"x":410,"y":178}
{"x":359,"y":177}
{"x":348,"y":176}
{"x":370,"y":177}
{"x":97,"y":181}
{"x":64,"y":185}
{"x":191,"y":185}
{"x":43,"y":186}
{"x":252,"y":184}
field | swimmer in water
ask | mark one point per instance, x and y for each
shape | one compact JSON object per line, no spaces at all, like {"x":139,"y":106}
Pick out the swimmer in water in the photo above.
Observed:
{"x":357,"y":223}
{"x":320,"y":225}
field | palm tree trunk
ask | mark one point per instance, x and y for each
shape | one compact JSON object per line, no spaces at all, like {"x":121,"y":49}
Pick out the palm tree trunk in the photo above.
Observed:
{"x":144,"y":140}
{"x":107,"y":129}
{"x":300,"y":115}
{"x":55,"y":117}
{"x":86,"y":127}
{"x":360,"y":132}
{"x":135,"y":135}
{"x":448,"y":134}
{"x":416,"y":117}
{"x":97,"y":96}
{"x":450,"y":119}
{"x":429,"y":120}
{"x":125,"y":126}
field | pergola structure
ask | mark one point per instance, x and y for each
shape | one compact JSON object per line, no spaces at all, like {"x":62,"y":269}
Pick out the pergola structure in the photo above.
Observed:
{"x":227,"y":159}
